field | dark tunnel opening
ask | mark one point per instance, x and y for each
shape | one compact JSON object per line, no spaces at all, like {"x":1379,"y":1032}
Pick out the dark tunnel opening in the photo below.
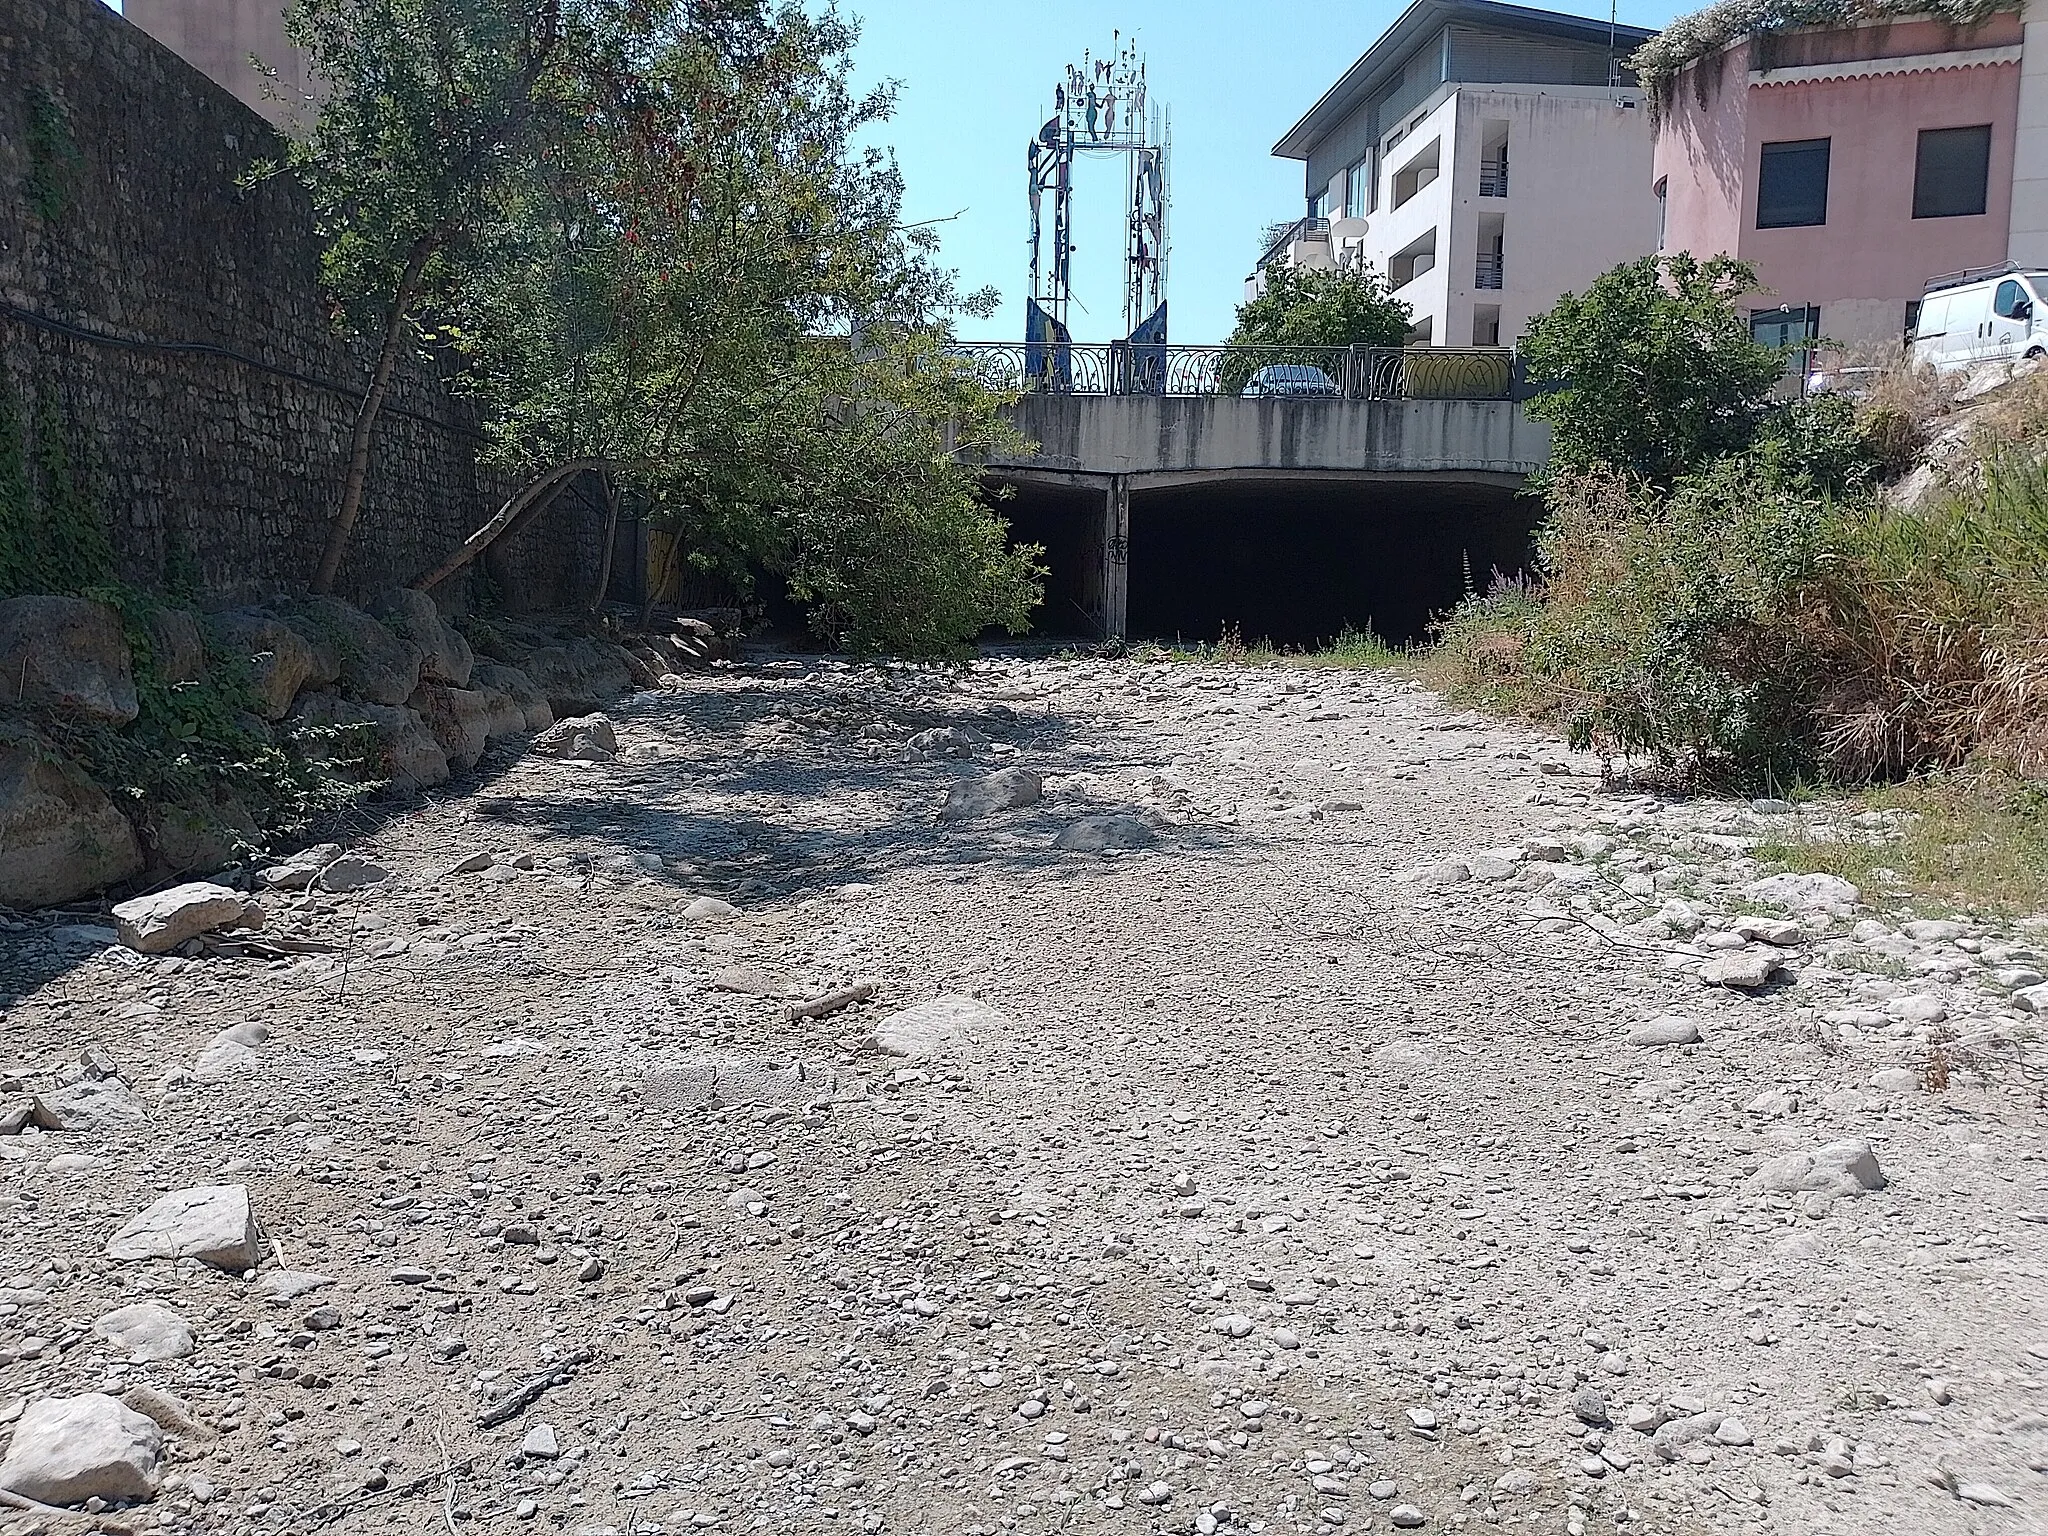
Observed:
{"x":1067,"y":522}
{"x":1293,"y":562}
{"x":1296,"y":563}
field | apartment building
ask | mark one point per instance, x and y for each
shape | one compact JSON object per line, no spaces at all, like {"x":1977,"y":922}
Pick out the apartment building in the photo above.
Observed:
{"x":1850,"y":164}
{"x":1485,"y":157}
{"x":222,"y":39}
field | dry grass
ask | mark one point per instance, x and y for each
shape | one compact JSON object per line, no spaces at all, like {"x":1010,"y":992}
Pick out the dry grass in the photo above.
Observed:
{"x":1978,"y":844}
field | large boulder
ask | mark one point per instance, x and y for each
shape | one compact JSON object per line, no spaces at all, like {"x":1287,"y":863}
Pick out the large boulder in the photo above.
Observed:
{"x":177,"y":649}
{"x":213,"y":1223}
{"x":66,"y":654}
{"x":60,"y":836}
{"x":514,"y":684}
{"x":281,"y":661}
{"x":578,"y":676}
{"x":372,"y":741}
{"x":370,"y":662}
{"x":201,"y":838}
{"x":69,"y":1449}
{"x":445,"y":657}
{"x":460,"y":719}
{"x":159,"y":922}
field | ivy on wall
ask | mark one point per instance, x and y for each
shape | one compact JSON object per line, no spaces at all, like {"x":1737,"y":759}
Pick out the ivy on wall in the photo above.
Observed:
{"x":53,"y":531}
{"x":53,"y":156}
{"x":1660,"y":61}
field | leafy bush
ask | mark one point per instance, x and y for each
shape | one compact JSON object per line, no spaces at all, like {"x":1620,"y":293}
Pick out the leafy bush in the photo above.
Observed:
{"x":1652,"y":368}
{"x":1311,"y":311}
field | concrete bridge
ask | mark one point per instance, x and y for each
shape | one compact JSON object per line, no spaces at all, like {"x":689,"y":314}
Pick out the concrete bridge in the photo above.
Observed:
{"x":1406,"y":498}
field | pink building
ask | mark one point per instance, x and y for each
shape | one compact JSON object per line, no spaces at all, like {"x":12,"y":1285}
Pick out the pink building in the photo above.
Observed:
{"x":1848,"y":165}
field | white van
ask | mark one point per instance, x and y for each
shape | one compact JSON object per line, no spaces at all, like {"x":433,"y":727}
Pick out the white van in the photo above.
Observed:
{"x":1978,"y":317}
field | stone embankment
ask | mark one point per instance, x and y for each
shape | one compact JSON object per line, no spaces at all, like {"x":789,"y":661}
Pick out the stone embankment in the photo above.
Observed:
{"x":1065,"y":1097}
{"x":392,"y":695}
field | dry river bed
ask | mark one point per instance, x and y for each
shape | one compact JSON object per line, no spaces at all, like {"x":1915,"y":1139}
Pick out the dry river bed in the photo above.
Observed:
{"x":1361,"y":1151}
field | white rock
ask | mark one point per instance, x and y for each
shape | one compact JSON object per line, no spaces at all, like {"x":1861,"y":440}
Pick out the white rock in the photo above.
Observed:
{"x":147,"y":1331}
{"x":1774,"y":1103}
{"x":1804,"y":893}
{"x":231,"y":1052}
{"x":1771,"y":930}
{"x":1520,"y":1482}
{"x":212,"y":1223}
{"x":1843,"y":1168}
{"x":1670,"y":1030}
{"x":540,"y":1443}
{"x":926,"y":1028}
{"x":1407,"y":1517}
{"x":1984,"y":1494}
{"x":582,"y":739}
{"x":709,"y":909}
{"x":1007,"y":789}
{"x":70,"y":1449}
{"x":159,"y":923}
{"x":1743,"y":969}
{"x":351,"y":872}
{"x":90,"y":1104}
{"x":300,"y":869}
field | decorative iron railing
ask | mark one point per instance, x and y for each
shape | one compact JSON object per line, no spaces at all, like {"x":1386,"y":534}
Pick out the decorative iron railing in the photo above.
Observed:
{"x":1490,"y":270}
{"x":1283,"y":373}
{"x":1493,"y":178}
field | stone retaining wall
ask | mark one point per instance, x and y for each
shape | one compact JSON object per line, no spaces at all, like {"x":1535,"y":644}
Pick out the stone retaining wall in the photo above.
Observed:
{"x":176,"y":317}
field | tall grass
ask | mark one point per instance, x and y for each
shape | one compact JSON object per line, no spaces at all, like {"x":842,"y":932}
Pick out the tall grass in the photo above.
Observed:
{"x":1774,"y":619}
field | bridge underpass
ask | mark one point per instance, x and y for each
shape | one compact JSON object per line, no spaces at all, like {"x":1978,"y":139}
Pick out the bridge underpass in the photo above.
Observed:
{"x":1284,"y":519}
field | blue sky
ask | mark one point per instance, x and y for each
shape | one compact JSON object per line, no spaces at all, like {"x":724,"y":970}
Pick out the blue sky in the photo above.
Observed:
{"x":977,"y":79}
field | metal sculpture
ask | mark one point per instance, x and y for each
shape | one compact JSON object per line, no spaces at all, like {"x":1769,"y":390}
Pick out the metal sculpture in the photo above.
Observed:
{"x":1102,"y":107}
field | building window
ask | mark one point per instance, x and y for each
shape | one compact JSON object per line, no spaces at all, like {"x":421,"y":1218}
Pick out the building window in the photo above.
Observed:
{"x":1319,"y":205}
{"x":1358,"y":189}
{"x":1792,"y":186}
{"x":1788,"y":329}
{"x":1952,"y":172}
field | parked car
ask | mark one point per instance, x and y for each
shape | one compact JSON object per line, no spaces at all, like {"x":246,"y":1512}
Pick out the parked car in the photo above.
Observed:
{"x":1294,"y":381}
{"x":1975,"y":317}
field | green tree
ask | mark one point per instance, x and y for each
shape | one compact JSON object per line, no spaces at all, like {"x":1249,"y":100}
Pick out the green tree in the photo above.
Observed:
{"x":1308,"y":310}
{"x":1652,"y":370}
{"x":426,"y":114}
{"x":704,"y":293}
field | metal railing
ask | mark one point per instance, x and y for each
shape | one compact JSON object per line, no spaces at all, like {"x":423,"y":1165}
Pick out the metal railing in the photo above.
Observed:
{"x":1300,"y":229}
{"x":1283,"y":373}
{"x":1493,"y":178}
{"x":1490,"y":270}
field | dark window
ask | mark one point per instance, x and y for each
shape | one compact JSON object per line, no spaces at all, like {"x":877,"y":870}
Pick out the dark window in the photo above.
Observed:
{"x":1952,"y":172}
{"x":1912,"y":317}
{"x":2011,"y":301}
{"x":1793,"y":186}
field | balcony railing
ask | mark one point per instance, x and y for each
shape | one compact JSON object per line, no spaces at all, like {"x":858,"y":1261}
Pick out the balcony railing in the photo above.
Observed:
{"x":1286,"y":239}
{"x":1284,"y":373}
{"x":1493,"y":178}
{"x":1489,"y":271}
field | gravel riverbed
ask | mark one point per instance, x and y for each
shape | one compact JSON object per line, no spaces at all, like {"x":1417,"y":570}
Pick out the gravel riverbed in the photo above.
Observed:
{"x":1336,"y":1134}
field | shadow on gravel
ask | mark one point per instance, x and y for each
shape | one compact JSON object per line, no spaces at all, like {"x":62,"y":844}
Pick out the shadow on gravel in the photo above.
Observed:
{"x":770,"y":831}
{"x":782,"y":852}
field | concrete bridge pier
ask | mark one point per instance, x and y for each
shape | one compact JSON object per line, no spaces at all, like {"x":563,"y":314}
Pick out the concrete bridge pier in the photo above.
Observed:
{"x":1108,"y":590}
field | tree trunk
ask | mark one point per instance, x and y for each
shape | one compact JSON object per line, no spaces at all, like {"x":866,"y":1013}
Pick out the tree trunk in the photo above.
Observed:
{"x":526,"y":503}
{"x":611,"y":537}
{"x":366,"y":415}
